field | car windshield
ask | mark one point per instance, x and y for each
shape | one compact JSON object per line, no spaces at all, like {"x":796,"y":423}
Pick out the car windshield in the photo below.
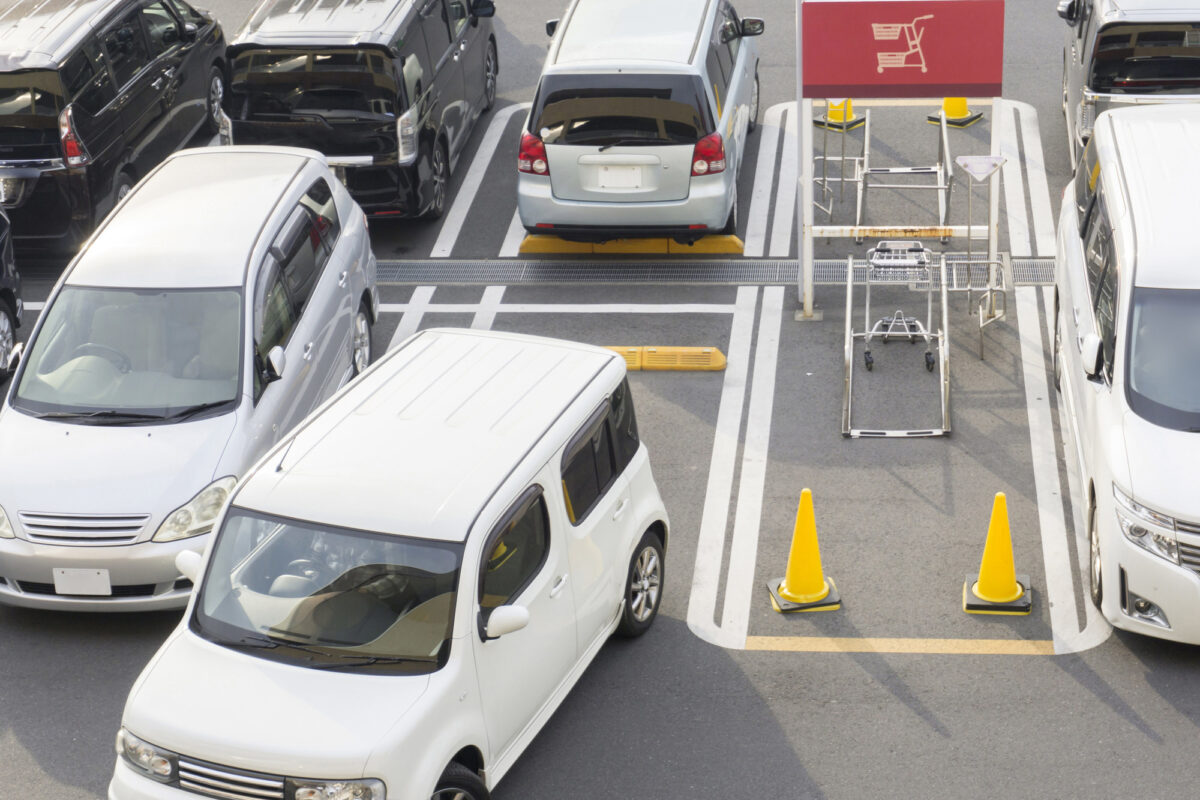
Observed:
{"x":608,"y":109}
{"x":329,"y":598}
{"x":354,"y":84}
{"x":1147,"y":59}
{"x":1164,"y":361}
{"x":111,"y":356}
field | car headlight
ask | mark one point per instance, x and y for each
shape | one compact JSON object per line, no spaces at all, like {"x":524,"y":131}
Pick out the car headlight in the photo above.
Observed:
{"x":6,"y":531}
{"x":153,"y":762}
{"x":198,"y":515}
{"x":365,"y":789}
{"x":1146,"y":528}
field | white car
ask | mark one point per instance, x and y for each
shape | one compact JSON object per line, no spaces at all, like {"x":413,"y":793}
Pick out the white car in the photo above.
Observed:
{"x":1127,"y":360}
{"x":405,"y":589}
{"x":229,"y":294}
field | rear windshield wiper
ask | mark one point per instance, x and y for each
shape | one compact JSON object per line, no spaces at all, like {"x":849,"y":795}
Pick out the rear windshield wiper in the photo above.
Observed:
{"x":633,"y":140}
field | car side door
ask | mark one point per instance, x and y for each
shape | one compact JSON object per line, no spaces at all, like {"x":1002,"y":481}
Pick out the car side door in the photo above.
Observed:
{"x":140,"y":90}
{"x":184,"y":80}
{"x":332,"y":299}
{"x":471,"y":43}
{"x":448,"y":95}
{"x":523,"y":562}
{"x":276,"y":396}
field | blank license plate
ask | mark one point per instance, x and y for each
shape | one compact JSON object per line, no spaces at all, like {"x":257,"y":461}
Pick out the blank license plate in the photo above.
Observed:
{"x":620,"y":177}
{"x":82,"y":582}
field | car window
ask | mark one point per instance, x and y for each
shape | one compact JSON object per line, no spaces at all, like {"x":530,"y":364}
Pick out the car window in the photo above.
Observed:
{"x":414,"y":65}
{"x":624,"y":425}
{"x":319,"y":200}
{"x":515,"y":552}
{"x":1087,"y":178}
{"x":732,"y":28}
{"x":588,"y":468}
{"x":717,"y":78}
{"x":1146,"y":58}
{"x":126,"y":47}
{"x":274,"y":318}
{"x":458,"y":16}
{"x":187,"y":13}
{"x":1098,"y":245}
{"x":600,"y":109}
{"x":162,"y":29}
{"x":1106,"y":308}
{"x":86,"y":78}
{"x":299,"y":250}
{"x":435,"y":28}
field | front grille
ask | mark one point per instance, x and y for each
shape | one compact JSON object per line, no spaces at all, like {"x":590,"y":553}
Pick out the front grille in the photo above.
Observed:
{"x":126,"y":590}
{"x":82,"y":529}
{"x":1188,"y":527}
{"x":227,"y":783}
{"x":1189,"y":554}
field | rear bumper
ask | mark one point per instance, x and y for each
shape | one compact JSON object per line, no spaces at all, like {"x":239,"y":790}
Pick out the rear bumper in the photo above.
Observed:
{"x":54,"y":210}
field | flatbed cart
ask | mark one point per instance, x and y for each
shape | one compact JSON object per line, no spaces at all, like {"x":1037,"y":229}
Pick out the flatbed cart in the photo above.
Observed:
{"x":899,"y":263}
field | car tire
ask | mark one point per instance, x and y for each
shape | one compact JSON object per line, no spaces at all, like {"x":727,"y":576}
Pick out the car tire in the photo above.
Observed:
{"x":360,"y":340}
{"x":8,"y":338}
{"x":439,"y":163}
{"x":643,"y":586}
{"x":490,"y":70}
{"x":214,"y":96}
{"x":754,"y":101}
{"x":122,"y":186}
{"x":1095,"y":573}
{"x":459,"y":783}
{"x":1058,"y":357}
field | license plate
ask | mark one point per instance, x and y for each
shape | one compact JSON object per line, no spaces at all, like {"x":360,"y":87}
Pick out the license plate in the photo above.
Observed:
{"x":620,"y":177}
{"x":93,"y":582}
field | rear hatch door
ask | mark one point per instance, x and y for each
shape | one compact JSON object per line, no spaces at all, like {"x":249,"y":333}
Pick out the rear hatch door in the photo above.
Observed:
{"x":30,"y":101}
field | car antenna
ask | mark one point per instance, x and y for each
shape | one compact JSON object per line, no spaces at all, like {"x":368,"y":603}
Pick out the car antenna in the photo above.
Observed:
{"x":288,"y":449}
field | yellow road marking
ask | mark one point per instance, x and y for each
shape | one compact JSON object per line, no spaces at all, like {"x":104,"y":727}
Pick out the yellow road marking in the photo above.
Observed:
{"x":854,"y":644}
{"x":713,"y":244}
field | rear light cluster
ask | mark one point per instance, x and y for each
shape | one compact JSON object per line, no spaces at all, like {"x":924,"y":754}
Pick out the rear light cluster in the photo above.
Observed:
{"x":708,"y":157}
{"x":74,"y":152}
{"x":532,"y":158}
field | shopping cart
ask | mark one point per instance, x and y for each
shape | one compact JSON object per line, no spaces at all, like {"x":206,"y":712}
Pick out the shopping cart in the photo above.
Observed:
{"x":912,"y":36}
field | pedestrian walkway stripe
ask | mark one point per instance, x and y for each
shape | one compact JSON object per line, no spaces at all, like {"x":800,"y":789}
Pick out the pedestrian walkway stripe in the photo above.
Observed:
{"x":855,"y":644}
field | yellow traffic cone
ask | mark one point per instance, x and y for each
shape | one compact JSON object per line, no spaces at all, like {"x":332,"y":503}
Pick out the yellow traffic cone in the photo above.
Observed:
{"x":839,"y":116}
{"x":805,"y":587}
{"x":997,"y":589}
{"x":957,"y":113}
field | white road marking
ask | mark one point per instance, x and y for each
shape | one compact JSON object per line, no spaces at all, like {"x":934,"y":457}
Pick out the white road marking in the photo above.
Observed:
{"x":785,"y":196}
{"x":457,"y":215}
{"x":710,"y":545}
{"x":764,"y":179}
{"x":485,"y":317}
{"x":414,"y":310}
{"x":1014,"y":187}
{"x":512,"y":240}
{"x":422,"y":305}
{"x":34,"y":306}
{"x":1035,"y":172}
{"x":747,"y":520}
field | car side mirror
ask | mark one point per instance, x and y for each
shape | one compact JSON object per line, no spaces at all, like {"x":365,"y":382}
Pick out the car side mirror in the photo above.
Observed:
{"x":483,"y":8}
{"x":276,"y":363}
{"x":14,"y":357}
{"x":753,"y":26}
{"x":188,"y":563}
{"x":1067,"y":9}
{"x":190,"y":31}
{"x":1092,"y":355}
{"x":506,"y":619}
{"x":551,"y":26}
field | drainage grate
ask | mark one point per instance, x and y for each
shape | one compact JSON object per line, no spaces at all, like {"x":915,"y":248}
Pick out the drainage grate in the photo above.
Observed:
{"x":1026,"y":271}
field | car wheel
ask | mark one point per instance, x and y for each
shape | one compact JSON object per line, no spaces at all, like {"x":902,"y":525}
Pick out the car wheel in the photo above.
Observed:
{"x":643,"y":586}
{"x":360,"y":350}
{"x":216,"y":94}
{"x":1058,"y":356}
{"x":490,"y":64}
{"x":459,"y":783}
{"x":753,"y":126}
{"x":1094,"y":562}
{"x":440,"y":167}
{"x":122,"y":186}
{"x":8,"y":338}
{"x":730,"y":228}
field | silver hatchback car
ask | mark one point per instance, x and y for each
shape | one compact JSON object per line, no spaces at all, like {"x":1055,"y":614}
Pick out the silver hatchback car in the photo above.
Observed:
{"x":640,"y":120}
{"x":229,"y":295}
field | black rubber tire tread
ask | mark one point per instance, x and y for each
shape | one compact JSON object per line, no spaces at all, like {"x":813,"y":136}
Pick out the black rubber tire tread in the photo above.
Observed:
{"x":629,"y":627}
{"x":461,"y":779}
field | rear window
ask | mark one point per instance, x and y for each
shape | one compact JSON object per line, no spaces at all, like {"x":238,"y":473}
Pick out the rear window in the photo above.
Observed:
{"x":328,"y":83}
{"x":606,"y":109}
{"x":29,"y":105}
{"x":1147,"y":59}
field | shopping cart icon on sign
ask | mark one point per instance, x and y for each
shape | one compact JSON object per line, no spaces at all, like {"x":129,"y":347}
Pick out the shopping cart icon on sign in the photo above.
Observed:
{"x":890,"y":32}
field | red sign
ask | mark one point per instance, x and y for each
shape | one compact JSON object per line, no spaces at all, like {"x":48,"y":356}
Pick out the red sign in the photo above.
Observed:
{"x":903,"y":48}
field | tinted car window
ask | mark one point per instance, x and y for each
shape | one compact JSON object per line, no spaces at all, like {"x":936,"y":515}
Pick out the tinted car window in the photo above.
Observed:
{"x":435,"y":28}
{"x":1145,"y":59}
{"x":86,"y":79}
{"x":342,"y":84}
{"x":414,"y":65}
{"x":126,"y":47}
{"x":716,"y":75}
{"x":319,"y":201}
{"x":1087,"y":176}
{"x":161,"y":28}
{"x":730,"y":27}
{"x":516,"y":555}
{"x":298,"y":248}
{"x":624,"y":425}
{"x":588,"y":470}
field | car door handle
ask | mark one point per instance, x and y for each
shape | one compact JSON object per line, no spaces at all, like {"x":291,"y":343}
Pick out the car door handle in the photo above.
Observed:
{"x":620,"y":509}
{"x":342,"y":279}
{"x":157,"y":83}
{"x":557,"y":588}
{"x":308,"y":348}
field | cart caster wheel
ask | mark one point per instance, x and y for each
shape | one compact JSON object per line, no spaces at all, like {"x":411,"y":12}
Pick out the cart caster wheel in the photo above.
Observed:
{"x":885,"y":338}
{"x":868,"y":362}
{"x":912,"y":339}
{"x":929,"y":361}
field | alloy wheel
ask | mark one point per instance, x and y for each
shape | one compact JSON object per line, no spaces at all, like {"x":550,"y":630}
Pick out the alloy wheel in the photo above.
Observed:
{"x":439,"y":179}
{"x":489,"y":78}
{"x":645,"y":584}
{"x":362,"y":341}
{"x":7,"y":340}
{"x":216,"y":93}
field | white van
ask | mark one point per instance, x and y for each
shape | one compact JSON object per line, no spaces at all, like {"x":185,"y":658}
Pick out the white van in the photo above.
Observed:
{"x":1127,"y":360}
{"x":401,"y":593}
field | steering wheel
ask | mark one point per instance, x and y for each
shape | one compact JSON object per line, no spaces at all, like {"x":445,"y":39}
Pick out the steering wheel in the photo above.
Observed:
{"x":304,"y":567}
{"x":114,"y":355}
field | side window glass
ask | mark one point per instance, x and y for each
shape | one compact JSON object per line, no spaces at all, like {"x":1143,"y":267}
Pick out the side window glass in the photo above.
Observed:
{"x":1098,"y":243}
{"x":126,"y":47}
{"x":716,"y":77}
{"x":435,"y":29}
{"x":458,"y":16}
{"x":273,"y":319}
{"x":624,"y":426}
{"x":1106,"y":305}
{"x":162,"y":29}
{"x":588,"y":469}
{"x":514,"y":553}
{"x":187,"y":13}
{"x":300,"y":252}
{"x":319,"y":200}
{"x":731,"y":30}
{"x":414,"y":65}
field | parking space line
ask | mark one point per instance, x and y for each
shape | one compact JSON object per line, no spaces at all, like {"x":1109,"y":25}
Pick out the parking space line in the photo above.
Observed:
{"x":1014,"y":187}
{"x":512,"y":240}
{"x":422,"y":304}
{"x":785,"y":197}
{"x":764,"y":181}
{"x":485,"y":317}
{"x":34,"y":306}
{"x":414,"y":310}
{"x":856,"y":644}
{"x":457,"y":216}
{"x":710,"y":546}
{"x":1035,"y":173}
{"x":747,"y":519}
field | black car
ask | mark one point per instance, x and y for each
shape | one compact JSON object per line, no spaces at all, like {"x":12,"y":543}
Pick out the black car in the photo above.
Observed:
{"x":93,"y":95}
{"x":399,"y":81}
{"x":11,"y":306}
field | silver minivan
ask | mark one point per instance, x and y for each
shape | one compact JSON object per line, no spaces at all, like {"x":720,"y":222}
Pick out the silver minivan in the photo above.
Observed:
{"x":1126,"y":52}
{"x":640,"y":120}
{"x":228,"y":295}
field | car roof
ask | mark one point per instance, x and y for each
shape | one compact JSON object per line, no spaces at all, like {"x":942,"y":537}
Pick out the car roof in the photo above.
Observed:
{"x":192,"y":223}
{"x":419,"y":444}
{"x":1158,"y":150}
{"x":330,"y":22}
{"x":632,"y":31}
{"x":33,"y":31}
{"x":1108,"y":8}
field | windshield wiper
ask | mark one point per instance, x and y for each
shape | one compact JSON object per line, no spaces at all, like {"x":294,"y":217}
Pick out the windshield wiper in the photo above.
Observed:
{"x":99,"y":414}
{"x":634,"y":140}
{"x":250,"y":640}
{"x":366,"y":661}
{"x":191,"y":411}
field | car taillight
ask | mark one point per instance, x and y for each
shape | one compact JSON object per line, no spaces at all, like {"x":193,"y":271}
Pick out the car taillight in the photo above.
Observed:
{"x":407,"y":146}
{"x":708,"y":156}
{"x":74,"y":152}
{"x":532,"y":158}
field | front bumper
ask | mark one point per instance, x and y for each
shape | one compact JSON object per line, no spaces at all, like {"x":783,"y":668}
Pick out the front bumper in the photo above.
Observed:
{"x":129,"y":785}
{"x":1173,"y":588}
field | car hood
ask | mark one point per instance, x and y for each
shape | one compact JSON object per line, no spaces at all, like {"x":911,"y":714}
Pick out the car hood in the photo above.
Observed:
{"x":111,"y":469}
{"x":1160,"y":461}
{"x":228,"y":707}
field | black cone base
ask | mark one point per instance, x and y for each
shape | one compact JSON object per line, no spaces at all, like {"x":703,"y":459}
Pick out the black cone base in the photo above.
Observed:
{"x":829,"y":602}
{"x":957,"y":122}
{"x":974,"y":605}
{"x":834,"y":125}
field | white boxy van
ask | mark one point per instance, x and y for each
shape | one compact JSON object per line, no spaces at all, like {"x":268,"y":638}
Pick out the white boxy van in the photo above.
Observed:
{"x":402,"y":592}
{"x":1127,"y":360}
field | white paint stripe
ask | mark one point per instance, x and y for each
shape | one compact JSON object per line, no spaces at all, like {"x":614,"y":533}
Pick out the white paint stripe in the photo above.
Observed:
{"x":1014,"y":187}
{"x":562,"y":308}
{"x":764,"y":179}
{"x":747,"y":520}
{"x":710,"y":545}
{"x":512,"y":240}
{"x":35,"y":306}
{"x":485,"y":317}
{"x":414,"y":310}
{"x":785,"y":196}
{"x":1035,"y":172}
{"x":457,"y":216}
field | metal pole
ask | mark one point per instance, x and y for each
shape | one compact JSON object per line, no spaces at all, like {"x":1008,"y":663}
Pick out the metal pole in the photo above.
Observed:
{"x":804,"y":212}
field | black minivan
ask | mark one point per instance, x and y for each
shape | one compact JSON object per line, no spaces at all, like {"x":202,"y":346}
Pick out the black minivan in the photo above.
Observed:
{"x":399,"y":81}
{"x":93,"y":95}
